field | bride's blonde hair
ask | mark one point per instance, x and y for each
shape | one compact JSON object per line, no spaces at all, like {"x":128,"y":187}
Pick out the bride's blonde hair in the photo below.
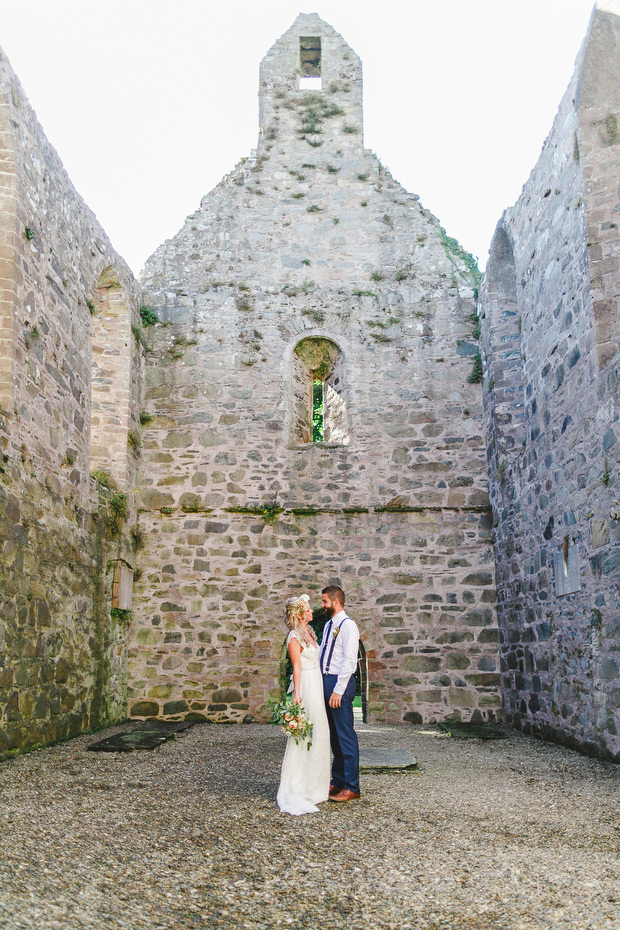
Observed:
{"x":295,"y":607}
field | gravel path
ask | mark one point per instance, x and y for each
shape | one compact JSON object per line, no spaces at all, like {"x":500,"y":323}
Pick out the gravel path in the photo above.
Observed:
{"x":506,"y":835}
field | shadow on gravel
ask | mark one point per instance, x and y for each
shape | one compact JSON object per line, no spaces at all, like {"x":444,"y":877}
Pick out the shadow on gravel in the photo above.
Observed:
{"x":146,"y":735}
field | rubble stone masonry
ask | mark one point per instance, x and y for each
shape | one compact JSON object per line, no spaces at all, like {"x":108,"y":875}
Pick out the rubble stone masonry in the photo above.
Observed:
{"x":63,"y":650}
{"x":309,"y":262}
{"x":549,"y":318}
{"x":305,"y":411}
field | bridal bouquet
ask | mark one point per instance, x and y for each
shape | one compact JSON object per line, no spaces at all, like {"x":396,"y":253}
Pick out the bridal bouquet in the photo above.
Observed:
{"x":292,"y":719}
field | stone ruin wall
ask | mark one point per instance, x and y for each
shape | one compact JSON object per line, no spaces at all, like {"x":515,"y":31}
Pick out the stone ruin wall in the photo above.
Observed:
{"x":549,"y":317}
{"x":63,"y":657}
{"x":311,"y":238}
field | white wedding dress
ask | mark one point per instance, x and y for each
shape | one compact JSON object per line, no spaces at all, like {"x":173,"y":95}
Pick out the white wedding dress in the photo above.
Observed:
{"x":304,"y":781}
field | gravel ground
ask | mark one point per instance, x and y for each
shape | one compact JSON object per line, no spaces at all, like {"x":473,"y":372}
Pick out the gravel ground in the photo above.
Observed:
{"x":512,"y":834}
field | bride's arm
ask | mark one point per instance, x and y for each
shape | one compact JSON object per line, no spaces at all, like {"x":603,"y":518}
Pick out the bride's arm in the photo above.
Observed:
{"x":294,"y":651}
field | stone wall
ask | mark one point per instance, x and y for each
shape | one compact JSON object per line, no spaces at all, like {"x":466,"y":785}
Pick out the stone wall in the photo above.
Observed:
{"x":549,"y":318}
{"x":310,"y":263}
{"x":63,"y":652}
{"x":310,"y":239}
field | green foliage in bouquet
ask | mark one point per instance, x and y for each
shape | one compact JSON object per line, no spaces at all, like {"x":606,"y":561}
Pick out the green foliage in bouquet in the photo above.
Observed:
{"x":292,"y":719}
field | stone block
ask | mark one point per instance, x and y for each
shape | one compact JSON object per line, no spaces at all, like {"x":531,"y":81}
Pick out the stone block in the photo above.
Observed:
{"x":429,"y":696}
{"x":478,"y":578}
{"x":175,"y":707}
{"x":398,"y":639}
{"x":461,"y":697}
{"x":144,"y":709}
{"x":477,"y":617}
{"x":456,"y":660}
{"x":226,"y":696}
{"x":161,"y":691}
{"x":607,"y":668}
{"x":567,"y":571}
{"x":155,"y":499}
{"x":422,"y":663}
{"x":599,"y":533}
{"x":483,"y":679}
{"x":455,"y":636}
{"x":611,"y":562}
{"x":212,"y":526}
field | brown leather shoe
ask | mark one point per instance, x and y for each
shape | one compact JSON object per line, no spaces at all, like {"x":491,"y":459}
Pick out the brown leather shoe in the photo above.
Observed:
{"x":334,"y":790}
{"x":344,"y":795}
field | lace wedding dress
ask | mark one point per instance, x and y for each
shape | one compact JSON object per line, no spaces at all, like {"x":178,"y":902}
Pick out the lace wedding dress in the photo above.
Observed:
{"x":304,"y":781}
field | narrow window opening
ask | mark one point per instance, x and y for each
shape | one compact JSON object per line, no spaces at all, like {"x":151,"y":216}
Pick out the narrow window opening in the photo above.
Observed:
{"x":310,"y":56}
{"x":317,"y":410}
{"x":310,"y":63}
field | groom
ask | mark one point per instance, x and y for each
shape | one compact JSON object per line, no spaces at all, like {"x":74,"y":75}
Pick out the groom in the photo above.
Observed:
{"x":338,"y":663}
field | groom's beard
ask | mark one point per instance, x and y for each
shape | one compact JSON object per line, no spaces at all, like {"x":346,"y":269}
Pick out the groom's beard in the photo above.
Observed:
{"x":331,"y":611}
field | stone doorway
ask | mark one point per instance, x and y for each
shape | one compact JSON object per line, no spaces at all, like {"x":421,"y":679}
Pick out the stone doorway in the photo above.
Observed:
{"x":360,"y":704}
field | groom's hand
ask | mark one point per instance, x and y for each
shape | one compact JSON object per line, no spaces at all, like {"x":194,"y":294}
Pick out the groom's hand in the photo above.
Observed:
{"x":335,"y":700}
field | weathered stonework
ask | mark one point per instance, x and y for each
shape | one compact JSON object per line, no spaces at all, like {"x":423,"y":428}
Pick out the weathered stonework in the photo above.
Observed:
{"x":309,"y":261}
{"x":309,"y":272}
{"x":550,"y":326}
{"x":63,"y":651}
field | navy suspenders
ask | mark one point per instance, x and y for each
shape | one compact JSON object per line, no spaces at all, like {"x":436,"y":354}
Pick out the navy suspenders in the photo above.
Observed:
{"x":330,"y":650}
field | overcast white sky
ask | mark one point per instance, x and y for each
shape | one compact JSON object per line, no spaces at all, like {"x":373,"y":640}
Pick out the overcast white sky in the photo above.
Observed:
{"x":150,"y":102}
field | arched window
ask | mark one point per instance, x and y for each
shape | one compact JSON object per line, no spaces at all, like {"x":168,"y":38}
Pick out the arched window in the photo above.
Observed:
{"x":319,"y":392}
{"x":110,"y":384}
{"x":8,"y":257}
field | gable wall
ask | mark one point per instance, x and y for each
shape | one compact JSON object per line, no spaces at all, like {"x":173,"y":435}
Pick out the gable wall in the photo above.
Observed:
{"x":311,"y":236}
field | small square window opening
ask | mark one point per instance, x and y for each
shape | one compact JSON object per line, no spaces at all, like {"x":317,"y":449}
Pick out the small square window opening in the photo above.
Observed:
{"x":310,"y":63}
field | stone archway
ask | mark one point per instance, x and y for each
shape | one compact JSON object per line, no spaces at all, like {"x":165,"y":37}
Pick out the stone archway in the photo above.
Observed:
{"x":319,"y":382}
{"x":361,"y":679}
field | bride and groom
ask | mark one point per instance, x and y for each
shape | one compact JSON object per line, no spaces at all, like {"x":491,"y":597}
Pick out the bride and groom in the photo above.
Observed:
{"x":324,"y":684}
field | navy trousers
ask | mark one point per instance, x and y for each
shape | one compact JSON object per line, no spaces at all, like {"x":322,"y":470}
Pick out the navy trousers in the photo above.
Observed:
{"x":343,"y":738}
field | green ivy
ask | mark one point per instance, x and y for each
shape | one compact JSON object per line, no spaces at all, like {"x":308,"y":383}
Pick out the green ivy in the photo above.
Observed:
{"x":317,"y":411}
{"x":117,"y":613}
{"x":104,"y":478}
{"x":118,"y":511}
{"x":148,"y":316}
{"x":475,"y":376}
{"x":453,"y":247}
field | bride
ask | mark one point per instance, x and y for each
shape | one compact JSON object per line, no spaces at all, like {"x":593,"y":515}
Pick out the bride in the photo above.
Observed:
{"x":304,"y":781}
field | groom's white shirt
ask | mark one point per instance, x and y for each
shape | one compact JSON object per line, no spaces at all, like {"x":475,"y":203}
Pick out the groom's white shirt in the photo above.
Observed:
{"x":344,"y":657}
